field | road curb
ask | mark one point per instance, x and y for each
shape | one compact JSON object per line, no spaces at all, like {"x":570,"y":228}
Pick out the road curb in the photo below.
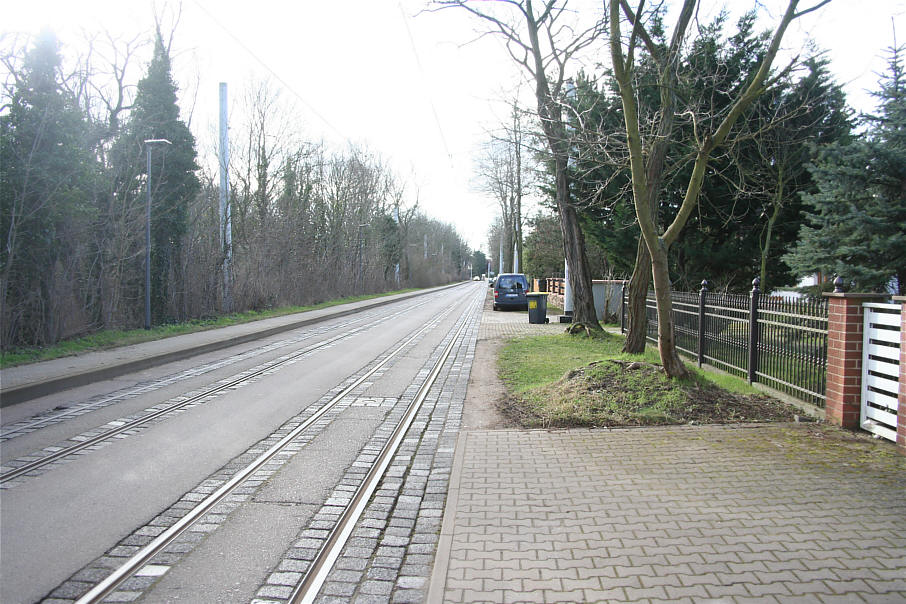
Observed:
{"x":438,"y":581}
{"x":33,"y":390}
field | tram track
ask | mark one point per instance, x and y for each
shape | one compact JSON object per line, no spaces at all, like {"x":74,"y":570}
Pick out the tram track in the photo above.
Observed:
{"x":308,"y":588}
{"x":58,"y":415}
{"x":313,"y":579}
{"x":119,"y":427}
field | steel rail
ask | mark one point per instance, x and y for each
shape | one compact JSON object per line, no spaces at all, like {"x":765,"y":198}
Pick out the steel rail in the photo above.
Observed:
{"x":52,"y":457}
{"x":140,"y":558}
{"x":308,"y":587}
{"x":82,"y":408}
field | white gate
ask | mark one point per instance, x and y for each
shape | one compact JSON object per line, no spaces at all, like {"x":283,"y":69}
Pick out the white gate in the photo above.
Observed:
{"x":880,"y":369}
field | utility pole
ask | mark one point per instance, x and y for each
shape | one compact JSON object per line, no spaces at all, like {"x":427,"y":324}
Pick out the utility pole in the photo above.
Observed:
{"x":516,"y":251}
{"x":568,"y":305}
{"x":226,"y":222}
{"x":517,"y":140}
{"x":361,"y":278}
{"x":396,"y":219}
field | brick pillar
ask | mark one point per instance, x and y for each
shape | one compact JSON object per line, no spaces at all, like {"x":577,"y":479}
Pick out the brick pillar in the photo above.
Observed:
{"x":901,"y":410}
{"x":844,"y":357}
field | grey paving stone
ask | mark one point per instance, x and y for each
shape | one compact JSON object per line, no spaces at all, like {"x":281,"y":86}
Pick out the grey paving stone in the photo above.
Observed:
{"x":709,"y":513}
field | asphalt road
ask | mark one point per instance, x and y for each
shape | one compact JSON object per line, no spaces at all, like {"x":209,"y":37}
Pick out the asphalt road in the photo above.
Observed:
{"x":56,"y":524}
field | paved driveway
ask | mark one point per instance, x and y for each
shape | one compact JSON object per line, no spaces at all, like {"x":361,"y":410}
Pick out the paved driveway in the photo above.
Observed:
{"x":688,"y":514}
{"x":788,"y":513}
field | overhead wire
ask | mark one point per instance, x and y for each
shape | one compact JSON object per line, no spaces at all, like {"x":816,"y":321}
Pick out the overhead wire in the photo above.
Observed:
{"x":421,"y":72}
{"x":271,"y":71}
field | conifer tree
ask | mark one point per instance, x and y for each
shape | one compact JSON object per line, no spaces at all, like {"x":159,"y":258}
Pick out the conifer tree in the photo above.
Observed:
{"x":173,"y":178}
{"x":45,"y":172}
{"x":856,"y":224}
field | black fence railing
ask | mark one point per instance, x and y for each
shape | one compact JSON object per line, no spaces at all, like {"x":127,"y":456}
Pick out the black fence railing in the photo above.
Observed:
{"x":779,"y":342}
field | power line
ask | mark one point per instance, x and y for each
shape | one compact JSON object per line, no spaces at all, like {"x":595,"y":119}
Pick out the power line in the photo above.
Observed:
{"x":271,"y":71}
{"x":421,"y":72}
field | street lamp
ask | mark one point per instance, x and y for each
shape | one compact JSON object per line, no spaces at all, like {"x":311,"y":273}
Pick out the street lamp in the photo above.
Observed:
{"x":148,"y":144}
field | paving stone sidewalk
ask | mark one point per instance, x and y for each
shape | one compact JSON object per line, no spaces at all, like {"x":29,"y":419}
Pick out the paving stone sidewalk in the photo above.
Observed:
{"x":766,"y":513}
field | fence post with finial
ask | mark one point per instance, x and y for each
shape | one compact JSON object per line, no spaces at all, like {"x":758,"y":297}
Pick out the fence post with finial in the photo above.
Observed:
{"x":702,"y":296}
{"x":838,"y":284}
{"x":753,"y":330}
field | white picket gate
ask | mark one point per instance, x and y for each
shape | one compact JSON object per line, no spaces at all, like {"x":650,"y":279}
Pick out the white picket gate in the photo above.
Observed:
{"x":881,"y":369}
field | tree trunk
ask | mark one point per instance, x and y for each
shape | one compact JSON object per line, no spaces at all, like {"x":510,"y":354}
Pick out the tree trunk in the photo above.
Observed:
{"x":666,"y":342}
{"x":574,"y":249}
{"x":766,"y":246}
{"x":636,"y":337}
{"x":507,"y":235}
{"x":550,"y":114}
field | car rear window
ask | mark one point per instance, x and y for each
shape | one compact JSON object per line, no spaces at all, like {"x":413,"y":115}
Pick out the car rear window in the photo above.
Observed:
{"x":510,"y":281}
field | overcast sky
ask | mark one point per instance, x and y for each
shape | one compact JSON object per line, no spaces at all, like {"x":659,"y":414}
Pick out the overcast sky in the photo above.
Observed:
{"x":418,"y":89}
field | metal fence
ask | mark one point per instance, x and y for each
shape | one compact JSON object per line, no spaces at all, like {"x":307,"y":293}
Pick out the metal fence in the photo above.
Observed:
{"x":779,"y":342}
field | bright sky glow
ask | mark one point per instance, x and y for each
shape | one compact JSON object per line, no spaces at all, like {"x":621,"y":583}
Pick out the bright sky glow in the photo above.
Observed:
{"x":419,"y":90}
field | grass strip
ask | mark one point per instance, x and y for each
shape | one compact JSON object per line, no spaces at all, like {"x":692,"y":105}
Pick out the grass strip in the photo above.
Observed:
{"x":113,"y":338}
{"x":563,"y":381}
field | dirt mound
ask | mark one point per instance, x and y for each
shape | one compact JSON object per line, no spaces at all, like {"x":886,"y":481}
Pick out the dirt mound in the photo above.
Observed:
{"x":632,"y":393}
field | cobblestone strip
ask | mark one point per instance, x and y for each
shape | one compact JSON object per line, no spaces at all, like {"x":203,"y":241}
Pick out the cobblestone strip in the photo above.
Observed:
{"x":716,"y":513}
{"x":281,"y":362}
{"x":389,"y":555}
{"x":508,"y":324}
{"x":82,"y":581}
{"x":62,"y":413}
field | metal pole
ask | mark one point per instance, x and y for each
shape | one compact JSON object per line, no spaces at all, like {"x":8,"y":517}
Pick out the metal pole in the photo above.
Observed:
{"x":623,"y":308}
{"x":396,"y":219}
{"x":516,"y":249}
{"x":702,"y":319}
{"x":753,"y":330}
{"x":226,"y":226}
{"x":148,"y":240}
{"x":568,"y":306}
{"x":361,"y":278}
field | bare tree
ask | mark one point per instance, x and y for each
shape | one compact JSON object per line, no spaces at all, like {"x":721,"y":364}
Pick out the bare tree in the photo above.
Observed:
{"x":311,"y":223}
{"x":504,"y":172}
{"x":543,"y":44}
{"x":658,"y":243}
{"x":495,"y":175}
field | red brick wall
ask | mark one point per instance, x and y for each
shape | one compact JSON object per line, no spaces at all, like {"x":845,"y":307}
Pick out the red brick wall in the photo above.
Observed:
{"x":844,"y":359}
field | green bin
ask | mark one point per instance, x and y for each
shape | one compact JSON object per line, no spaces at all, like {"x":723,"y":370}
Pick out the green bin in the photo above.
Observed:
{"x":537,"y":307}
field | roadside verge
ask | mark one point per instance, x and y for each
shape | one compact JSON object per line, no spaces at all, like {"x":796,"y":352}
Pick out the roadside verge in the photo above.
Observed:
{"x":27,"y":382}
